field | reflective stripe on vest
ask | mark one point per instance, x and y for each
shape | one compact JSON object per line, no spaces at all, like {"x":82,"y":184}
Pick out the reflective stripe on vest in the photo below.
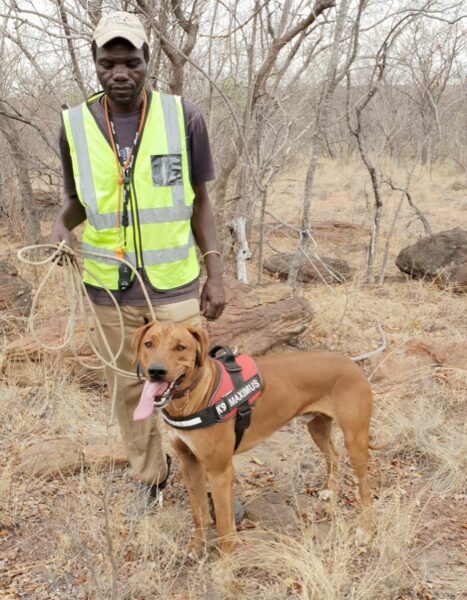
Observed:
{"x":164,"y":255}
{"x":161,"y":195}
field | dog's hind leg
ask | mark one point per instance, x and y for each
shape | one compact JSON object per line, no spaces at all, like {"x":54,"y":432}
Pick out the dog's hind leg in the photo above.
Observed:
{"x":355,"y":428}
{"x":357,"y":447}
{"x":194,"y":478}
{"x":356,"y":443}
{"x":320,"y":430}
{"x":353,"y":417}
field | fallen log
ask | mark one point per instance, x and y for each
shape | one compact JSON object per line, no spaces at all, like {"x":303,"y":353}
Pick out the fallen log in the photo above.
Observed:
{"x":257,"y":318}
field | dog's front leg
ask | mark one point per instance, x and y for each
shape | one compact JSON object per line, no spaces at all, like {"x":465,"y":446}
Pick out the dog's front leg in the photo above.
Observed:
{"x":220,"y":476}
{"x":194,"y":478}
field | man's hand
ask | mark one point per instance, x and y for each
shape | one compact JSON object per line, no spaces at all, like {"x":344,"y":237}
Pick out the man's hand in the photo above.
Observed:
{"x":71,"y":214}
{"x":212,"y":300}
{"x":61,"y":234}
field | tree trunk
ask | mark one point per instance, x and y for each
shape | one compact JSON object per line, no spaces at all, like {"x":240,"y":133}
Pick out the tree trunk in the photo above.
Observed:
{"x":258,"y":318}
{"x":333,"y":77}
{"x":24,"y":181}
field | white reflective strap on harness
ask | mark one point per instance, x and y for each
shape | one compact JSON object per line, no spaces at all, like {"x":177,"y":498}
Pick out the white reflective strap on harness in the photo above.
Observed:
{"x":182,"y":424}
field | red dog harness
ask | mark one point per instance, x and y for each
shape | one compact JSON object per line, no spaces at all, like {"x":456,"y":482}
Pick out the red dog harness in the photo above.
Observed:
{"x":238,"y":387}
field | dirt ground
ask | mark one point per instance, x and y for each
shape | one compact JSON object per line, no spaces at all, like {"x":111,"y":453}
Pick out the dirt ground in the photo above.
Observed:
{"x":90,"y":535}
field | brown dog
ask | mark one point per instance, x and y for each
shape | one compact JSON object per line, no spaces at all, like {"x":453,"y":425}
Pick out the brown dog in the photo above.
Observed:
{"x":317,"y":386}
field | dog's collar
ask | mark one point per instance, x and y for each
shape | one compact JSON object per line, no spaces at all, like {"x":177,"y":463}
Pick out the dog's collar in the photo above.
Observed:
{"x":180,"y":393}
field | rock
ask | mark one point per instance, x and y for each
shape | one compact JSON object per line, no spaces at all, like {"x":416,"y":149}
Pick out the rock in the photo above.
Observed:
{"x":271,"y":511}
{"x":257,"y":318}
{"x":279,"y":264}
{"x":57,"y":457}
{"x":417,"y":354}
{"x":15,"y":297}
{"x":456,"y":276}
{"x":98,"y":455}
{"x":452,"y":356}
{"x":51,"y":457}
{"x":51,"y":332}
{"x":442,"y":256}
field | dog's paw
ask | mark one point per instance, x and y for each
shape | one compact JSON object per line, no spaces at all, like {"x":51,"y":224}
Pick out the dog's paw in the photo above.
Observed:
{"x":362,"y":537}
{"x":196,"y":548}
{"x":365,"y":531}
{"x":326,"y":495}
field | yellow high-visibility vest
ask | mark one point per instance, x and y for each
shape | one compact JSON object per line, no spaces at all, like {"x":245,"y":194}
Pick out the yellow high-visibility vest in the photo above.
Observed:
{"x":159,"y":236}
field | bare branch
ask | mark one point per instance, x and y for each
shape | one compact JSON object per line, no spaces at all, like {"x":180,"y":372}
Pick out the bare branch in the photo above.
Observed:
{"x":381,"y":348}
{"x":74,"y":61}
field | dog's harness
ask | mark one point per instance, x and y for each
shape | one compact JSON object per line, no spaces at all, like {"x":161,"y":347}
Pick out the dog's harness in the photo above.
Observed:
{"x":238,"y":387}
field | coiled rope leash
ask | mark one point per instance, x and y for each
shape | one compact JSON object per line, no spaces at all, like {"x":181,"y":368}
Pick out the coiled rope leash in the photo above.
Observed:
{"x":65,"y":258}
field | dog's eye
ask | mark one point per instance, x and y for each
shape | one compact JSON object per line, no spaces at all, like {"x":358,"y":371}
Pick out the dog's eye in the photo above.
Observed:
{"x":148,"y":344}
{"x":180,"y":348}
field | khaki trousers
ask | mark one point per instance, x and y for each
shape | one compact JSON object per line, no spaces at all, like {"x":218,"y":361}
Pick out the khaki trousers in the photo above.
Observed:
{"x":142,"y":439}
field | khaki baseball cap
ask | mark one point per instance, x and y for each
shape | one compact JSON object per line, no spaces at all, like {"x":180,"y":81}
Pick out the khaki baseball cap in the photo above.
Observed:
{"x":120,"y":25}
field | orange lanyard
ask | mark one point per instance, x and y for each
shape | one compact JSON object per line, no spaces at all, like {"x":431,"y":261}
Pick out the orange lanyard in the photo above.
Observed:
{"x":123,"y":170}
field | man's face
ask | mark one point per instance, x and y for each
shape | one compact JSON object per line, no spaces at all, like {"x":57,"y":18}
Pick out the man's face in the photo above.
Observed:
{"x":121,"y":70}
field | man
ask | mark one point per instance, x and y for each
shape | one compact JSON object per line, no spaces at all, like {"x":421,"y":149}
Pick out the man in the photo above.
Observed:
{"x":135,"y":166}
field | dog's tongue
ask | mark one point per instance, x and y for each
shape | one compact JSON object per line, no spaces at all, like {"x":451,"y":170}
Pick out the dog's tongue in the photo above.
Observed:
{"x":145,"y":406}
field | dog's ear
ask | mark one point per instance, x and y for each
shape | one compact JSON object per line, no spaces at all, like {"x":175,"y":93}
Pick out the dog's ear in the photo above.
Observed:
{"x":203,"y":343}
{"x":138,"y":337}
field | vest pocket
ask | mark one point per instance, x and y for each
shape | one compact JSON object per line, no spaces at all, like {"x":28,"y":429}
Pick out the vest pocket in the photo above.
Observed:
{"x":166,"y":170}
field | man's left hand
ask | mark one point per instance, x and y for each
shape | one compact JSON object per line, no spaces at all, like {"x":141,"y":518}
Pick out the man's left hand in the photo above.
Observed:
{"x":212,"y":300}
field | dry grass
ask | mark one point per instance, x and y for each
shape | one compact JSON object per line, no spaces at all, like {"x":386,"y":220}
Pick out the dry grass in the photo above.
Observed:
{"x":90,"y":536}
{"x":330,"y":566}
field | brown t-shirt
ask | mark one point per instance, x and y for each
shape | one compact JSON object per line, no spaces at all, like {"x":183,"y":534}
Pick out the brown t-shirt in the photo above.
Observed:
{"x":201,"y":169}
